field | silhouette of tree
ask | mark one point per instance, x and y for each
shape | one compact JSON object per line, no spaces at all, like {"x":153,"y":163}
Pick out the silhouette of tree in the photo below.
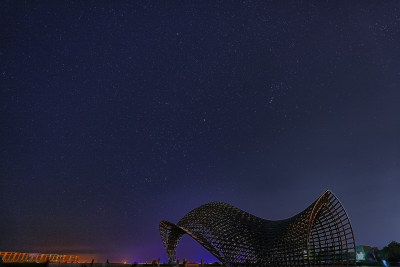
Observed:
{"x":391,"y":252}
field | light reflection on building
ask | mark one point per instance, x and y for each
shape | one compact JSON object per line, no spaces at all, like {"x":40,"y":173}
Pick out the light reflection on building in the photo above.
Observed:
{"x":36,"y":257}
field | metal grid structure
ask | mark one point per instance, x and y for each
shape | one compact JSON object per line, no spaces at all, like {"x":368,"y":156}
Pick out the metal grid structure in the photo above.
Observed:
{"x":321,"y":235}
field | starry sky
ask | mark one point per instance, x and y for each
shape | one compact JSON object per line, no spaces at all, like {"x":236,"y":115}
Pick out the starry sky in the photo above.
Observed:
{"x":117,"y":115}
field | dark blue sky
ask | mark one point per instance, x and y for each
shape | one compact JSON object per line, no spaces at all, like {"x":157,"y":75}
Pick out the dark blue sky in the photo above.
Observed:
{"x":117,"y":115}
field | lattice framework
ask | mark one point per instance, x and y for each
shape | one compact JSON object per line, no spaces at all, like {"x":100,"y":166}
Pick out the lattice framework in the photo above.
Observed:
{"x":319,"y":235}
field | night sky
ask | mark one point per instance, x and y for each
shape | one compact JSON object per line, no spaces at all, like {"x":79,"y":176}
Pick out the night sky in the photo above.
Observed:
{"x":117,"y":115}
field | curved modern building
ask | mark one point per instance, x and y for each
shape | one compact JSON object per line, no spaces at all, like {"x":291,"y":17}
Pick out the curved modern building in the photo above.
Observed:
{"x":319,"y":235}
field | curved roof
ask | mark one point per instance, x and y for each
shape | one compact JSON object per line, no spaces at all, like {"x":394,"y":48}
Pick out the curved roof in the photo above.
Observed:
{"x":319,"y":235}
